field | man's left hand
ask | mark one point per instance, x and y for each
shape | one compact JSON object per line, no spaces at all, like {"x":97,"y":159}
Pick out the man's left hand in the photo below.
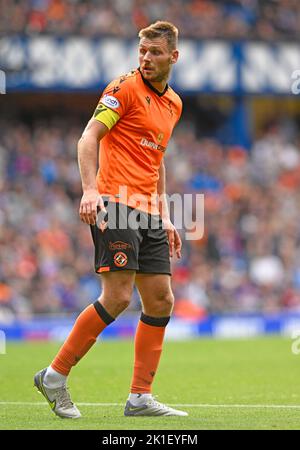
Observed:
{"x":173,"y":238}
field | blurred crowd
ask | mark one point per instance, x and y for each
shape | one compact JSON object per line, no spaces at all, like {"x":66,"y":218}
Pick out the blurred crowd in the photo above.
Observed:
{"x":232,"y":19}
{"x":248,"y":259}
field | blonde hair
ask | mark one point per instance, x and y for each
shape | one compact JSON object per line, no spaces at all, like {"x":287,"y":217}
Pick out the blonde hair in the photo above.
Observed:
{"x":161,"y":29}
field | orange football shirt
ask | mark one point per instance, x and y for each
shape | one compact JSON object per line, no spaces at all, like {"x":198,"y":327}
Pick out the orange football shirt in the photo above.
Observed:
{"x":131,"y":152}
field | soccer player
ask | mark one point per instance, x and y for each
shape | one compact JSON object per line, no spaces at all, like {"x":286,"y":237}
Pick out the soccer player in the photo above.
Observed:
{"x":133,"y":123}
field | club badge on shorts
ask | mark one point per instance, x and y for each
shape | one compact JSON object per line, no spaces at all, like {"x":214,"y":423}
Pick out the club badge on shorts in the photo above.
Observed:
{"x":120,"y":259}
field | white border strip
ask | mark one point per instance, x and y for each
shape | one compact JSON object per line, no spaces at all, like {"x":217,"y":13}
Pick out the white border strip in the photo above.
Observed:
{"x":183,"y":405}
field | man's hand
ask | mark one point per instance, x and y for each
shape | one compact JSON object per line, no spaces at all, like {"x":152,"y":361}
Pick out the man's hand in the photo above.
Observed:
{"x":88,"y":206}
{"x":173,"y":238}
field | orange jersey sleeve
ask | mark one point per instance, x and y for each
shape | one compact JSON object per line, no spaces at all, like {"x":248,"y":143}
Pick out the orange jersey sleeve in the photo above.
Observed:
{"x":116,"y":97}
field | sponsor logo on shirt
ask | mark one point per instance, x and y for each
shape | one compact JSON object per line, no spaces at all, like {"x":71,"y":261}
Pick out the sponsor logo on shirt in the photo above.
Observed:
{"x":110,"y":101}
{"x":119,"y":245}
{"x":145,"y":143}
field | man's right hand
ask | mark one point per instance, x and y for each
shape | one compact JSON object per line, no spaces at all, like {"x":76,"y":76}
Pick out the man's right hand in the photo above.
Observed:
{"x":91,"y":199}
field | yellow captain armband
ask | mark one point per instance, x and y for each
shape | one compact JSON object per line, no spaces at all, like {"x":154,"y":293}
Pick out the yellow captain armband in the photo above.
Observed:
{"x":106,"y":116}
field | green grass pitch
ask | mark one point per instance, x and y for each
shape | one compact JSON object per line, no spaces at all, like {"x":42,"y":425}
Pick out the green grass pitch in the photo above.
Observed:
{"x":223,"y":384}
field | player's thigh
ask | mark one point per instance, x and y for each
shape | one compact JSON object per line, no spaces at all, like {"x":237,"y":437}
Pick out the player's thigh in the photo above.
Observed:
{"x":155,"y":291}
{"x":118,"y":285}
{"x":117,"y":291}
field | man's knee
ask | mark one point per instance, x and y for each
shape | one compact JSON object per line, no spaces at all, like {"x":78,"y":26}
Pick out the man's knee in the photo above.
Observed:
{"x":161,"y":304}
{"x":167,"y":300}
{"x":115,"y":305}
{"x":120,"y":300}
{"x":116,"y":294}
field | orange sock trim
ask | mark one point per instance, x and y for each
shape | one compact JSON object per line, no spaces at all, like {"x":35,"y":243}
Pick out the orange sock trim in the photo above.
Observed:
{"x":148,"y":348}
{"x":83,"y":335}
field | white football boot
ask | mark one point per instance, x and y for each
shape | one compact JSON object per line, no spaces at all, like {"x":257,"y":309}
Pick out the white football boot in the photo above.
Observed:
{"x":151,"y":407}
{"x":59,"y":398}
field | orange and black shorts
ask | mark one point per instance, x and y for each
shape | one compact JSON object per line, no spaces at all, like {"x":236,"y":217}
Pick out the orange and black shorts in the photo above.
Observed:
{"x":129,"y":239}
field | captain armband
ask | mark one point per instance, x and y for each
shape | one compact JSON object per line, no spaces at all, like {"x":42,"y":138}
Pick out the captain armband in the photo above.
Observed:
{"x":106,"y":116}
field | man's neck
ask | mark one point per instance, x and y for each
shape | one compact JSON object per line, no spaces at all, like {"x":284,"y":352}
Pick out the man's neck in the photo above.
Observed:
{"x":159,"y":87}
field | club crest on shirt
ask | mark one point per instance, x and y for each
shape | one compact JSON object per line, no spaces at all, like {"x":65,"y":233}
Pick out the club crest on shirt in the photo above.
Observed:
{"x":160,"y":137}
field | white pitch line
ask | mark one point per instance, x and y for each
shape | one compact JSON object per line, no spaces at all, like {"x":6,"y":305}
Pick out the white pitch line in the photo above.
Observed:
{"x":183,"y":405}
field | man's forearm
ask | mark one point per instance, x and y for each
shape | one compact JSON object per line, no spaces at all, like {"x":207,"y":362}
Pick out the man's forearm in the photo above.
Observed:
{"x":163,"y":206}
{"x":88,"y":161}
{"x":161,"y":191}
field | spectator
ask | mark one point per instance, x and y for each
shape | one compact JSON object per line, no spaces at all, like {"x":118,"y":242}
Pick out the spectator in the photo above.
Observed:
{"x":233,"y":19}
{"x":248,"y":259}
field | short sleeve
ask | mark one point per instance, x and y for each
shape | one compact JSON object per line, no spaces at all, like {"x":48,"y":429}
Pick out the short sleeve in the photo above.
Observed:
{"x":117,"y":96}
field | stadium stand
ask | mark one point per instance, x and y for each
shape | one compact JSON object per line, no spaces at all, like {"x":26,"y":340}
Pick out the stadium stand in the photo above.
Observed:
{"x":248,"y":259}
{"x":233,"y":19}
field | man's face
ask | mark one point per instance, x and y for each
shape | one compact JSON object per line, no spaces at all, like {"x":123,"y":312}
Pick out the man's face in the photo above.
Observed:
{"x":156,"y":58}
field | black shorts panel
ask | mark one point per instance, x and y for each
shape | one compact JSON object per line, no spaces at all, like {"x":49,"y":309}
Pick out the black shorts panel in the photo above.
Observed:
{"x":154,"y":253}
{"x":137,"y":247}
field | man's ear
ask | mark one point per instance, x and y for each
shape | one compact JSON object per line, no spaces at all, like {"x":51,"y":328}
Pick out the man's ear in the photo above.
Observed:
{"x":174,"y":56}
